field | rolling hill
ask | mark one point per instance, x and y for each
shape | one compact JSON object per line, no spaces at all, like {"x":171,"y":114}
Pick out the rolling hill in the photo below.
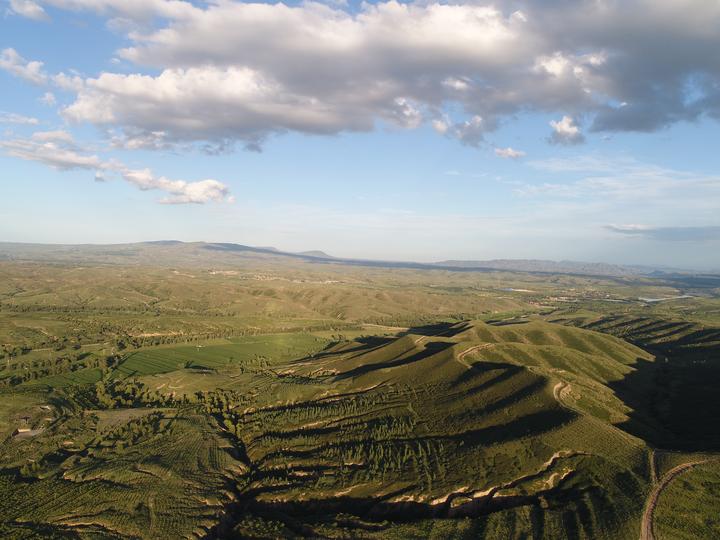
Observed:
{"x":226,"y":393}
{"x":486,"y":428}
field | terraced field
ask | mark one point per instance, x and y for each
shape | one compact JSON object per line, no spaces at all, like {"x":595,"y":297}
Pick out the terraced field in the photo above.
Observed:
{"x":172,"y":480}
{"x":407,"y":420}
{"x":377,"y":437}
{"x":666,"y":395}
{"x":327,"y":404}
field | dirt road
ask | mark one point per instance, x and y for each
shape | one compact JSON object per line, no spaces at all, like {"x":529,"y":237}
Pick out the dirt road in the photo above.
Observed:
{"x":646,"y":528}
{"x":461,"y":357}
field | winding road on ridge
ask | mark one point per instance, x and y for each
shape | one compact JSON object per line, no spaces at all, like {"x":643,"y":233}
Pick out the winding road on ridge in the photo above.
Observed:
{"x":461,"y":357}
{"x":646,"y":527}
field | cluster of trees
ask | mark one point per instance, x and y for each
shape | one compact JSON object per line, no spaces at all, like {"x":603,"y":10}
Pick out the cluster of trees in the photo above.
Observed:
{"x":128,"y":393}
{"x":31,"y":469}
{"x":219,"y":401}
{"x":39,"y":368}
{"x":10,"y":351}
{"x":331,"y":408}
{"x":416,"y":458}
{"x":136,"y":430}
{"x":224,"y":405}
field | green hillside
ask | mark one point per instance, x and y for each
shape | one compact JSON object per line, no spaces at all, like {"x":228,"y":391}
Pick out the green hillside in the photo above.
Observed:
{"x":666,"y":395}
{"x":378,"y":437}
{"x":268,"y":401}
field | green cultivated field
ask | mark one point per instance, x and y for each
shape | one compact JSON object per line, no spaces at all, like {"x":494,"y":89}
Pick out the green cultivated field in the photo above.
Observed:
{"x":258,"y":397}
{"x":241,"y":351}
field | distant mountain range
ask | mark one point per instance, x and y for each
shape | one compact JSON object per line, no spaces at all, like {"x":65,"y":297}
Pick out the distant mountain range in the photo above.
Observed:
{"x":177,"y":253}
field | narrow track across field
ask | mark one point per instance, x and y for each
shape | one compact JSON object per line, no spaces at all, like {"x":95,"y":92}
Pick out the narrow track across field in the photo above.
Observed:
{"x":646,"y":528}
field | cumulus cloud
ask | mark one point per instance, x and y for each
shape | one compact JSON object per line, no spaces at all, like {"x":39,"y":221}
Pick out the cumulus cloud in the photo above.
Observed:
{"x":155,"y":140}
{"x":69,"y":82}
{"x":28,"y":9}
{"x":470,"y":132}
{"x":441,"y":125}
{"x":58,"y":150}
{"x":673,"y":234}
{"x":48,"y":99}
{"x":180,"y":192}
{"x":237,"y":71}
{"x":13,"y":118}
{"x":228,"y":71}
{"x":207,"y":104}
{"x":30,"y":70}
{"x":509,"y":153}
{"x":566,"y":131}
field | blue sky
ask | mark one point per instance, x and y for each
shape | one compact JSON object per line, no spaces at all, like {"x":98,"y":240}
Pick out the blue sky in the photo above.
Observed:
{"x":389,"y":131}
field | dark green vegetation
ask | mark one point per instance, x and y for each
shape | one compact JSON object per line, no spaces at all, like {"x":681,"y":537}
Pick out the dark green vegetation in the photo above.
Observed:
{"x":673,"y":397}
{"x":261,"y":396}
{"x":688,"y":508}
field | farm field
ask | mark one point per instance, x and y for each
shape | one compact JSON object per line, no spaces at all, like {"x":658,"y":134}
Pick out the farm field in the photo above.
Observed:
{"x":246,"y":352}
{"x":259,"y":398}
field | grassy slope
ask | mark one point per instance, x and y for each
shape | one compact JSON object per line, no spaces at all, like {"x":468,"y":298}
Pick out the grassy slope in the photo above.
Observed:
{"x":688,"y":508}
{"x":383,"y":429}
{"x":410,"y":419}
{"x":362,"y":439}
{"x":666,"y":395}
{"x":167,"y":484}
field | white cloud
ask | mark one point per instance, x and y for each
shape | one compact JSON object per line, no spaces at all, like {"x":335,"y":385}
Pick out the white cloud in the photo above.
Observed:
{"x":441,"y":125}
{"x":28,"y":9}
{"x":406,"y":113}
{"x":556,"y":65}
{"x":12,"y":118}
{"x":227,"y":71}
{"x":15,"y":64}
{"x":155,"y":140}
{"x":578,"y":69}
{"x":624,"y":181}
{"x":509,"y":153}
{"x":243,"y":71}
{"x":58,"y":150}
{"x":454,"y":83}
{"x":58,"y":136}
{"x":48,"y":99}
{"x":584,"y":163}
{"x":705,"y":233}
{"x":566,"y":131}
{"x":470,"y":132}
{"x":134,"y":9}
{"x":69,"y":83}
{"x":52,"y":154}
{"x":630,"y":228}
{"x":205,"y":104}
{"x":180,"y":192}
